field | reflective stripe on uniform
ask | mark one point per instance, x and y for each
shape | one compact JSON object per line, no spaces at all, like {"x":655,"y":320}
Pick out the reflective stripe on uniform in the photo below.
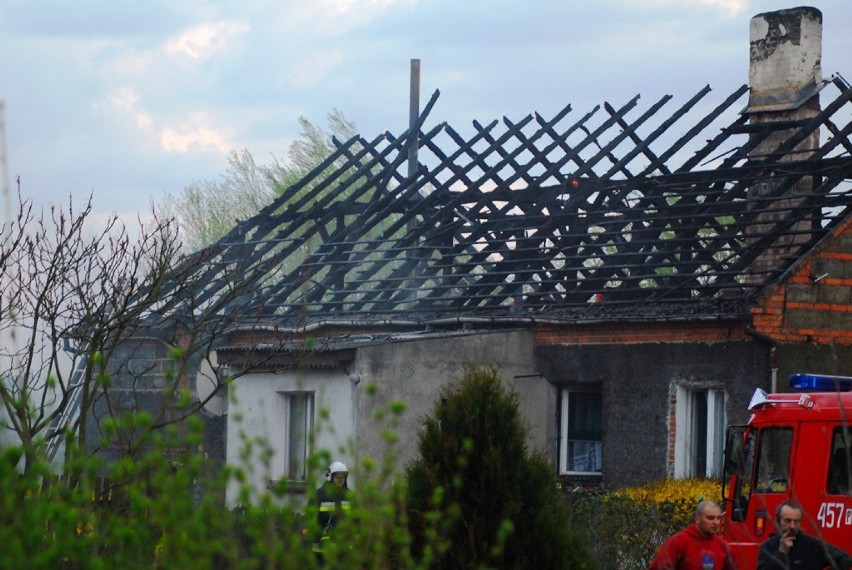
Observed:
{"x":327,"y":506}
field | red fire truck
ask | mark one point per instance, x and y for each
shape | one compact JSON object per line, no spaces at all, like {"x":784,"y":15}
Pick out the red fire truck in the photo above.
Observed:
{"x":796,"y":446}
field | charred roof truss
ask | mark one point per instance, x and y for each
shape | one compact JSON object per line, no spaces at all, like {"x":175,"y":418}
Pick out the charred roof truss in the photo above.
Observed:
{"x":621,"y":212}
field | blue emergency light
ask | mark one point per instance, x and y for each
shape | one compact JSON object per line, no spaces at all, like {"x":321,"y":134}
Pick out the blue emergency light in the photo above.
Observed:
{"x":820,"y":383}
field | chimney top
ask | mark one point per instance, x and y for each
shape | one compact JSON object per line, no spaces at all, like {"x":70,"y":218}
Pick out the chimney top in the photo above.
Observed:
{"x":785,"y":59}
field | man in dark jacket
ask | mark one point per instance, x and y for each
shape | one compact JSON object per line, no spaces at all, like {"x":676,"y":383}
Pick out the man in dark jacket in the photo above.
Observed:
{"x":790,"y":548}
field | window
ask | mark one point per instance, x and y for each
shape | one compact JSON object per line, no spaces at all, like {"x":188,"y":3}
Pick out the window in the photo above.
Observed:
{"x":581,"y":427}
{"x":761,"y":466}
{"x":298,"y":424}
{"x":700,"y":432}
{"x":840,"y":465}
{"x":773,"y":460}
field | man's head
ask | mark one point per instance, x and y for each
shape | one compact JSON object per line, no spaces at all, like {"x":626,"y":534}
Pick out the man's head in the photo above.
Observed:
{"x":788,"y":517}
{"x":337,"y":473}
{"x":708,"y":516}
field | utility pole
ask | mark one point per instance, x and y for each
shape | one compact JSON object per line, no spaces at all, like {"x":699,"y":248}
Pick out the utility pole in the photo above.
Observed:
{"x":4,"y":165}
{"x":413,"y":143}
{"x":413,"y":115}
{"x":7,"y":336}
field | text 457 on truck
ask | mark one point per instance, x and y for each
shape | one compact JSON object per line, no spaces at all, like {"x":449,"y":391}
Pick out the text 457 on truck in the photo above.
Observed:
{"x":795,"y":446}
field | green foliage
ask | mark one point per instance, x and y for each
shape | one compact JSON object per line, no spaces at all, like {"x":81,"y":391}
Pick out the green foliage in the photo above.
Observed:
{"x":209,"y":209}
{"x":476,"y":496}
{"x":163,"y":508}
{"x":311,"y":148}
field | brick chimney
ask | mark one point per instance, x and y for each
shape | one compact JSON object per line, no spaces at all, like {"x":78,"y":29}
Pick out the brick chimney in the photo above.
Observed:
{"x":785,"y":76}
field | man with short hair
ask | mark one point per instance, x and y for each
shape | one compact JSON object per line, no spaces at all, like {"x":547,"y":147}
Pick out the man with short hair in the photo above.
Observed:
{"x":698,"y":546}
{"x":791,"y":548}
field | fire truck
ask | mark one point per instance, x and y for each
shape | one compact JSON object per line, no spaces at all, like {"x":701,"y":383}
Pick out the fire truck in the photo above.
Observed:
{"x":797,"y":445}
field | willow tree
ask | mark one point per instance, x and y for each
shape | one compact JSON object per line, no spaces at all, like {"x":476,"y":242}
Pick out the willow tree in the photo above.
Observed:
{"x":207,"y":210}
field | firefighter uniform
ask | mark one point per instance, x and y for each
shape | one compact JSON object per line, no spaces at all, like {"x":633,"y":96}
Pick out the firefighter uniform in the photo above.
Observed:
{"x":332,"y":503}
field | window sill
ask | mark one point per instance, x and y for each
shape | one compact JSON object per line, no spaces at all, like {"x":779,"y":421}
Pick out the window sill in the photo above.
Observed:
{"x":588,"y":481}
{"x":289,"y":486}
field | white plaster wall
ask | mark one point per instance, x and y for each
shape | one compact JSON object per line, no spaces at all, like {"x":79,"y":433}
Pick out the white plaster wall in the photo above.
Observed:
{"x":256,"y":412}
{"x":13,"y":338}
{"x":414,"y":372}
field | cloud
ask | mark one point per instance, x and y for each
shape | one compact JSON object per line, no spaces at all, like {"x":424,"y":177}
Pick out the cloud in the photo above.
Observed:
{"x":123,"y":98}
{"x":202,"y":41}
{"x":355,"y":7}
{"x":126,"y":100}
{"x":194,"y":133}
{"x":144,"y":120}
{"x":335,"y":17}
{"x":731,"y":8}
{"x":199,"y":138}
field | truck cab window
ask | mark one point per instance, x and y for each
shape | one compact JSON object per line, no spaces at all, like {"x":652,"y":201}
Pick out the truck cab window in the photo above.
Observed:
{"x":773,"y":459}
{"x":739,"y":463}
{"x":840,"y":464}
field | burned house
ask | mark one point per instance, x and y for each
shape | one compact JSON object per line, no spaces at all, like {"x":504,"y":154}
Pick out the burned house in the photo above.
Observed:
{"x":635,"y":271}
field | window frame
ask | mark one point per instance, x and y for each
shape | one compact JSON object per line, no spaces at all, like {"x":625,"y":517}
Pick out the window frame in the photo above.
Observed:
{"x":565,"y":394}
{"x":773,"y":459}
{"x":699,"y":442}
{"x":839,"y":479}
{"x":296,"y":472}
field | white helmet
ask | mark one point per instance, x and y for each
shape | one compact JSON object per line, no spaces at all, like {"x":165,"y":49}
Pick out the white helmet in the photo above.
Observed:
{"x":336,"y":467}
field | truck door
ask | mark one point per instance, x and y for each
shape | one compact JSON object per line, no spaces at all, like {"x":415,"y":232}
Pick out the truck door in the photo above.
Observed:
{"x":761,"y":482}
{"x":832,"y":510}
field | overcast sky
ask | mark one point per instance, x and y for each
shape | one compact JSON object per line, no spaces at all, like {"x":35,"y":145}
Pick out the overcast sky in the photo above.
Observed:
{"x":129,"y":100}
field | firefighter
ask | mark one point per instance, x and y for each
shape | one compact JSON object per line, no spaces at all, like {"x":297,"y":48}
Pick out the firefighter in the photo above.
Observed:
{"x":332,"y":502}
{"x":698,"y":546}
{"x":792,"y":548}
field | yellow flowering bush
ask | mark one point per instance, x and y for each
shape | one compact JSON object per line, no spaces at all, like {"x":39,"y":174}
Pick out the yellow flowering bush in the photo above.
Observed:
{"x":676,"y":496}
{"x":625,"y":527}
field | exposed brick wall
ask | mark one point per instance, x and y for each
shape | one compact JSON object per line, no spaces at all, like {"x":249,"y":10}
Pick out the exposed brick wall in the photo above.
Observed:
{"x":629,"y":333}
{"x":815,"y":303}
{"x":672,"y":433}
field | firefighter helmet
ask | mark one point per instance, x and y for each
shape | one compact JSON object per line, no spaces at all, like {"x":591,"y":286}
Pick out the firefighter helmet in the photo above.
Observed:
{"x":336,"y":467}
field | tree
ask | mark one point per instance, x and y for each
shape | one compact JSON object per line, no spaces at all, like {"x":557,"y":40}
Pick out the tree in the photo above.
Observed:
{"x":311,"y":148}
{"x":76,"y":311}
{"x":477,"y":486}
{"x":205,"y":211}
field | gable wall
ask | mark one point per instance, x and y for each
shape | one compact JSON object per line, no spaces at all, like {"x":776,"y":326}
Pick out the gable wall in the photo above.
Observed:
{"x":815,"y":304}
{"x":415,"y":373}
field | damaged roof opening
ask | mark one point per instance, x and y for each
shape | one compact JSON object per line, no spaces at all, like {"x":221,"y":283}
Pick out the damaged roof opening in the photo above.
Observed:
{"x":619,"y":212}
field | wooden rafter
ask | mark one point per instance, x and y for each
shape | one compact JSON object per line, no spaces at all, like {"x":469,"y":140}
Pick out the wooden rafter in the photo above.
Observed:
{"x":561,"y":217}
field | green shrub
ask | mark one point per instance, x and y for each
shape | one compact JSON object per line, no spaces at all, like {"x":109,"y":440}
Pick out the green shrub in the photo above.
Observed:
{"x":476,"y":496}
